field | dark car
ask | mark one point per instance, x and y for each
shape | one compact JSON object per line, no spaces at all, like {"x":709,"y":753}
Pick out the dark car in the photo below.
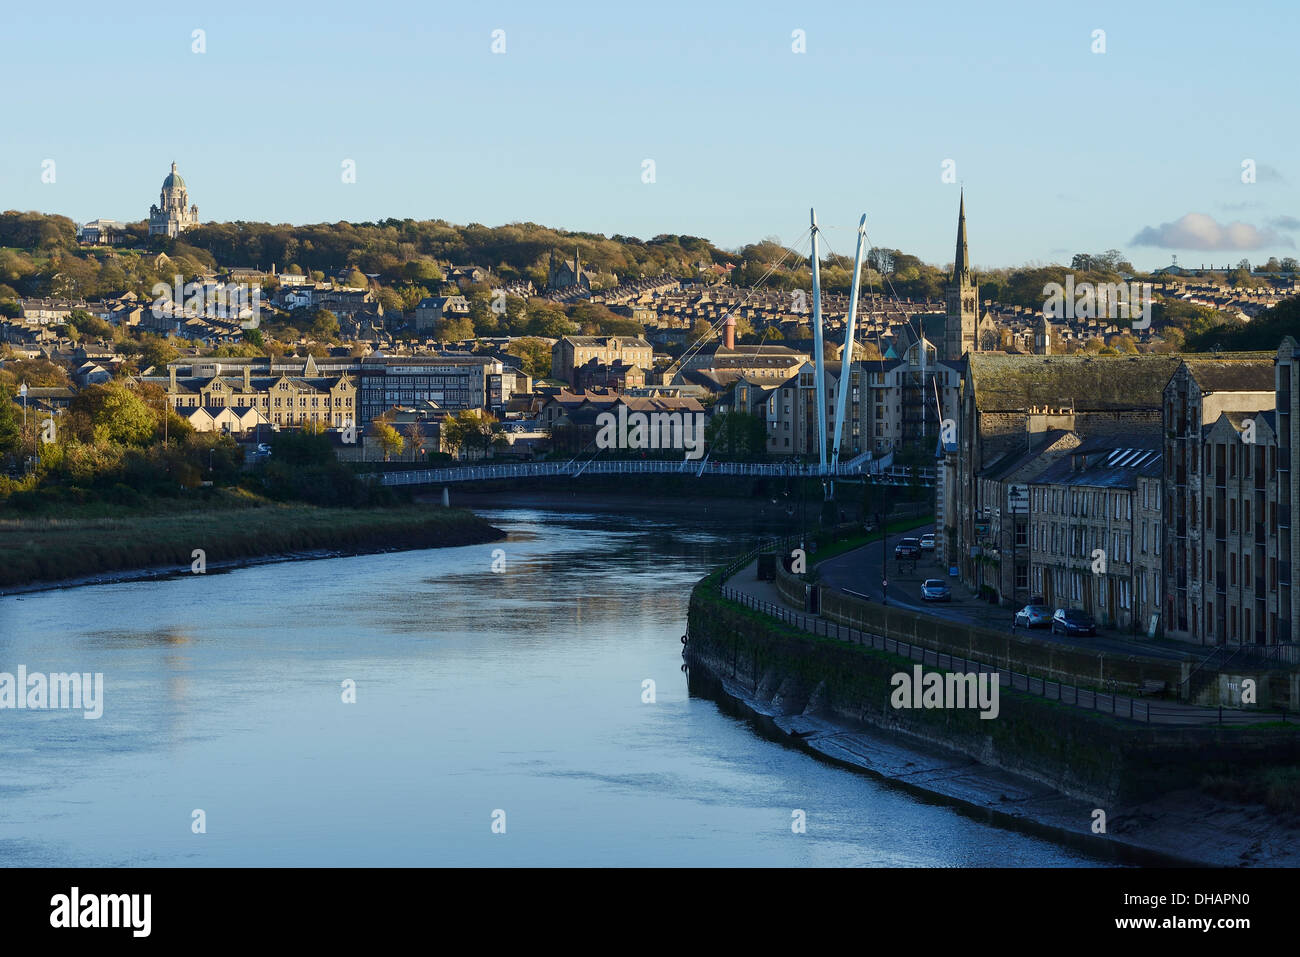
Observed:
{"x":1072,"y":621}
{"x":908,"y":548}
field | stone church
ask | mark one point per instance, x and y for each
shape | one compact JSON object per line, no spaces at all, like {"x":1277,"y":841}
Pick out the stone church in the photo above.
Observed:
{"x":566,"y":274}
{"x":173,"y":214}
{"x":964,"y":329}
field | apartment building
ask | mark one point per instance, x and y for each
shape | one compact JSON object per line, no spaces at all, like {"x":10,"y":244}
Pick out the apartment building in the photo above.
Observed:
{"x":1006,"y":400}
{"x":223,"y":401}
{"x":572,"y":352}
{"x":1228,"y":491}
{"x":451,"y":383}
{"x":1095,"y":531}
{"x":892,"y":403}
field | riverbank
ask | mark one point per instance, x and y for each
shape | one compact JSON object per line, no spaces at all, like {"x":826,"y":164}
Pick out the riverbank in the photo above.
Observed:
{"x":1182,"y":828}
{"x":99,"y":543}
{"x":1037,"y":767}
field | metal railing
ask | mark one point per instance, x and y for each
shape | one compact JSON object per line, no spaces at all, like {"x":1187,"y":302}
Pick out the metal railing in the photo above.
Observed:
{"x":1124,"y":707}
{"x":897,"y":475}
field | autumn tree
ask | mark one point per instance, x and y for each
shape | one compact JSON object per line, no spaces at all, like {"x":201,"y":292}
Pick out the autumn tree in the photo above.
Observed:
{"x":390,"y":440}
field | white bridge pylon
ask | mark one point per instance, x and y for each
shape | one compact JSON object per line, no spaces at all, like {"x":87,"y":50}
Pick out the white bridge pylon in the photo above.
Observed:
{"x":846,"y":358}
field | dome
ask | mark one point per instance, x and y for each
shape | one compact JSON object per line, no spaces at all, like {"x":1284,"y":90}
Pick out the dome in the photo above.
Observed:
{"x":173,"y":179}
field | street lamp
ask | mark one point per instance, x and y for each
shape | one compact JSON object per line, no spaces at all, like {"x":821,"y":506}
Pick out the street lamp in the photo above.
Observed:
{"x":22,"y":391}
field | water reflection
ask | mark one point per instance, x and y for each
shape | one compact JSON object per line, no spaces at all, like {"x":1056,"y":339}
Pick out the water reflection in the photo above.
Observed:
{"x":475,"y":691}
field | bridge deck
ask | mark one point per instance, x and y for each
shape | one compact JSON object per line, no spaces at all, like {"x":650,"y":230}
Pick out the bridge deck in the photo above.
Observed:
{"x":479,"y":473}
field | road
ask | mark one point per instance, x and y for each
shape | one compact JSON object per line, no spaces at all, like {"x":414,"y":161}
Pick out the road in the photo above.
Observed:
{"x":860,"y":571}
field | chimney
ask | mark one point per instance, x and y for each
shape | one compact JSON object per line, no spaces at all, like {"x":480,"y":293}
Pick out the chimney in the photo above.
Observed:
{"x":248,"y":378}
{"x":729,"y":333}
{"x":172,"y":370}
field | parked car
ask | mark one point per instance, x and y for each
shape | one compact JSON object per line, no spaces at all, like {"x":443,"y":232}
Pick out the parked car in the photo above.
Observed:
{"x":927,"y":542}
{"x":908,"y":548}
{"x":935,"y":589}
{"x":263,"y":449}
{"x":1072,"y":621}
{"x":1034,"y":616}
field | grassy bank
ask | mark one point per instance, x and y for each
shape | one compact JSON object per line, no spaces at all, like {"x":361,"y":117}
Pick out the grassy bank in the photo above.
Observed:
{"x":96,"y":540}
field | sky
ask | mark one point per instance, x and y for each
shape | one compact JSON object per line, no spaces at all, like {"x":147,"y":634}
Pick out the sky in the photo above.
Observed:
{"x":1145,"y":147}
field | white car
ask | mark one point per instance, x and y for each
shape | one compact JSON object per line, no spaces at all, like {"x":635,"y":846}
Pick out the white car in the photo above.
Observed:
{"x":927,"y":542}
{"x":263,"y":449}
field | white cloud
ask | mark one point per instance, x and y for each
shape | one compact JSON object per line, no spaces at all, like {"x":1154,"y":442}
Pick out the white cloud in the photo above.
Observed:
{"x":1198,"y":231}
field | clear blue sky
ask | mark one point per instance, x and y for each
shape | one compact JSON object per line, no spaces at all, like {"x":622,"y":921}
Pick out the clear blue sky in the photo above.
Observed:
{"x":1060,"y":149}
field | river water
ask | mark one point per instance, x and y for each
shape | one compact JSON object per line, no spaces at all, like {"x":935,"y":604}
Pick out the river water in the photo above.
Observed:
{"x":519,"y":691}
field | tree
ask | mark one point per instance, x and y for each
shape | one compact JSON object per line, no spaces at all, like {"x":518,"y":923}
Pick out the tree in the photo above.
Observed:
{"x":388,"y":437}
{"x":453,"y":328}
{"x":737,"y":435}
{"x":115,"y":414}
{"x":471,"y":428}
{"x":324,"y":325}
{"x":415,"y":439}
{"x":9,"y":427}
{"x":536,"y":356}
{"x":389,"y":299}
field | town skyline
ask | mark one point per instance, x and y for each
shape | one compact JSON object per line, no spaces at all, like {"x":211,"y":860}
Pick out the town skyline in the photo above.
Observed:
{"x":557,"y":127}
{"x":1227,"y":258}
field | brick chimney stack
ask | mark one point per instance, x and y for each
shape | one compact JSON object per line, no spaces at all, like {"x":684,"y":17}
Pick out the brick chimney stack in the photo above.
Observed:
{"x":729,"y":332}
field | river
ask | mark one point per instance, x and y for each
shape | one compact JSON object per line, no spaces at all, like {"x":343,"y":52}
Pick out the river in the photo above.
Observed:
{"x":476,"y":692}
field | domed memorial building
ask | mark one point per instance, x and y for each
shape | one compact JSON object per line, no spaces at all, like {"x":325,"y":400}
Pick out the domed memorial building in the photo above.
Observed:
{"x":173,"y":214}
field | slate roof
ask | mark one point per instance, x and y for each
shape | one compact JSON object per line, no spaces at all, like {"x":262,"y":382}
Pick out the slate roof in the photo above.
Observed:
{"x":1120,"y":467}
{"x":1013,"y":383}
{"x":1238,"y":374}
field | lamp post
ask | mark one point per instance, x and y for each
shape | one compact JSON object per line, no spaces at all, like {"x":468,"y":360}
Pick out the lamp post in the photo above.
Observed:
{"x":22,"y":391}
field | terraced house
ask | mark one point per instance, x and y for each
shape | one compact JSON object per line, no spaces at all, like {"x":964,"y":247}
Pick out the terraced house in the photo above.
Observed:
{"x":1229,"y":489}
{"x":1095,"y":530}
{"x":222,"y":402}
{"x":1011,"y":403}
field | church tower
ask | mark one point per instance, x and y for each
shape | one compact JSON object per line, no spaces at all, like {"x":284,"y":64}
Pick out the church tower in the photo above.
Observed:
{"x":1042,"y":337}
{"x":963,"y":298}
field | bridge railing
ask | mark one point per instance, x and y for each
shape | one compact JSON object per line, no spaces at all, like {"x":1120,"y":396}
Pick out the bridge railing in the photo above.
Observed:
{"x":478,"y":473}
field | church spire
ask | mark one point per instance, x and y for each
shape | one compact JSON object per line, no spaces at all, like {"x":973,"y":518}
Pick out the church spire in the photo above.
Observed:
{"x":961,"y":260}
